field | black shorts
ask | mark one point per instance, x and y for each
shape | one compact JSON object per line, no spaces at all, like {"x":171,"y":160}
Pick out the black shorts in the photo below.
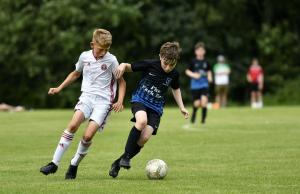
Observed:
{"x":153,"y":117}
{"x":196,"y":94}
{"x":254,"y":87}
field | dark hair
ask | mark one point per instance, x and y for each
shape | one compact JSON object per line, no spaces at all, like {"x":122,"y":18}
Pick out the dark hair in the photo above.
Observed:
{"x":199,"y":45}
{"x":170,"y":52}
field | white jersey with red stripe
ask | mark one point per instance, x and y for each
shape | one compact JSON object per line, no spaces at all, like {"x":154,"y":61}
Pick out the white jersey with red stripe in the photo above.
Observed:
{"x":98,"y":77}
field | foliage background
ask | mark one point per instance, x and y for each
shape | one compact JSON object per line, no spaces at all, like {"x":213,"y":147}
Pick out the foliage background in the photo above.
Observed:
{"x":41,"y":41}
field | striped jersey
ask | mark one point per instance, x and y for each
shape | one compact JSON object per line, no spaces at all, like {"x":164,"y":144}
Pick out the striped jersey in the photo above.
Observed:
{"x":152,"y":88}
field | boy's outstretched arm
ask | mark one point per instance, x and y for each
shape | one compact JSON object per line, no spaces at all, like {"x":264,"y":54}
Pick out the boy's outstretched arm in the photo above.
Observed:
{"x":178,"y":99}
{"x":209,"y":76}
{"x":70,"y":79}
{"x":118,"y":106}
{"x":123,"y":67}
{"x":192,"y":74}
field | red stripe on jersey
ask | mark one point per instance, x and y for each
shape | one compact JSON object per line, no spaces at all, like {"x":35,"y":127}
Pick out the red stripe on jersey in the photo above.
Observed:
{"x":112,"y":89}
{"x":104,"y":120}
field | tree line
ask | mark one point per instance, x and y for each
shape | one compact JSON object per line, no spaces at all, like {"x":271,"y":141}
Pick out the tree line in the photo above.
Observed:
{"x":41,"y":41}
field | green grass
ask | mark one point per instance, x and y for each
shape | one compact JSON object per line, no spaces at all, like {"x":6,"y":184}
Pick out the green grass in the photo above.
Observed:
{"x":239,"y":150}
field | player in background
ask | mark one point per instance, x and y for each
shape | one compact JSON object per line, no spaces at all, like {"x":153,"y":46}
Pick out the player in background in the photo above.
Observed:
{"x":148,"y":99}
{"x":221,"y":77}
{"x":255,"y":77}
{"x":9,"y":108}
{"x":199,"y":71}
{"x":95,"y":103}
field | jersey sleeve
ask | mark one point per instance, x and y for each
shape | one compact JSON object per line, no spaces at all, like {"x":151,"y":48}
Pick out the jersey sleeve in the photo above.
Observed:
{"x":141,"y":65}
{"x":79,"y":65}
{"x":175,"y":82}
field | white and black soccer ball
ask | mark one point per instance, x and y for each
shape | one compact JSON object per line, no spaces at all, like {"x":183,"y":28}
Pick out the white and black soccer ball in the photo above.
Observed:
{"x":156,"y":169}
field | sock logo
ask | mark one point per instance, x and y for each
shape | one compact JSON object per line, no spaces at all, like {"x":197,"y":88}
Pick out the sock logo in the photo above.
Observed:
{"x":62,"y":145}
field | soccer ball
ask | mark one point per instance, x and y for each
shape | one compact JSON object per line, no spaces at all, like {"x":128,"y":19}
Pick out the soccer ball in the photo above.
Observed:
{"x":156,"y":169}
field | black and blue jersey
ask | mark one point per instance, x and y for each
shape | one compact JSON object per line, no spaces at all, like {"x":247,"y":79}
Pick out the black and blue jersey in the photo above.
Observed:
{"x":202,"y":67}
{"x":154,"y":84}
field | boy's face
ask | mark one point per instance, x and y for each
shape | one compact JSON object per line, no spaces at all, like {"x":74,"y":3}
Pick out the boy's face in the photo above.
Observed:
{"x":98,"y":51}
{"x":166,"y":67}
{"x":200,"y":52}
{"x":255,"y":62}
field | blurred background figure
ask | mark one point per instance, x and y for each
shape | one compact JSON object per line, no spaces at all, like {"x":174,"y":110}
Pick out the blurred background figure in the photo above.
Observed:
{"x":221,"y":77}
{"x":199,"y":71}
{"x":9,"y":108}
{"x":255,"y":77}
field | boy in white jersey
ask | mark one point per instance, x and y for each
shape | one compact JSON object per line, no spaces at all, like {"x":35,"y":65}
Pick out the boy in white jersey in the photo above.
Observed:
{"x":221,"y":71}
{"x":95,"y":103}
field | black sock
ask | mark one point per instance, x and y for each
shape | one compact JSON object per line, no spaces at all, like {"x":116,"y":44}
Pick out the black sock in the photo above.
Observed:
{"x":193,"y":118}
{"x":132,"y":148}
{"x":204,"y":113}
{"x":136,"y":151}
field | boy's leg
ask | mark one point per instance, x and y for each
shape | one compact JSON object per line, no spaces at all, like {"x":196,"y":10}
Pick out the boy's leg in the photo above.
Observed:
{"x":218,"y":99}
{"x":97,"y":121}
{"x":132,"y":147}
{"x":225,"y":94}
{"x":67,"y":136}
{"x":260,"y":99}
{"x":64,"y":143}
{"x":82,"y":149}
{"x":145,"y":136}
{"x":152,"y":124}
{"x":204,"y":101}
{"x":196,"y":105}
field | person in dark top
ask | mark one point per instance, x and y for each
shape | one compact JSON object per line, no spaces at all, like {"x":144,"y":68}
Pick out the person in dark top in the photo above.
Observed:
{"x":199,"y":71}
{"x":148,"y":99}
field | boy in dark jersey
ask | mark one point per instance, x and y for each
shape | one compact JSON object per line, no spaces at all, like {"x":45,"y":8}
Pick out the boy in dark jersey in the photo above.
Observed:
{"x":148,"y":99}
{"x":199,"y":71}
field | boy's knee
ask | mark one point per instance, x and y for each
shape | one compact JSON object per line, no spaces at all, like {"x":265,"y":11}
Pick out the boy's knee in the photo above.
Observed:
{"x":72,"y":128}
{"x":87,"y":138}
{"x":197,"y":104}
{"x":141,"y":123}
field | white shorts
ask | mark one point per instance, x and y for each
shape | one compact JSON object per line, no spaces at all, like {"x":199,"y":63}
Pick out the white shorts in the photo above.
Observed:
{"x":93,"y":108}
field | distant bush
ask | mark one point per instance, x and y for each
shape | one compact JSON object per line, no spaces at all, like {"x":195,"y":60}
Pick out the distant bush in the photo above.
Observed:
{"x":287,"y":94}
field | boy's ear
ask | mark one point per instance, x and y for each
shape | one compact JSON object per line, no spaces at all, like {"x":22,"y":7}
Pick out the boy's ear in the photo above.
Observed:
{"x":92,"y":44}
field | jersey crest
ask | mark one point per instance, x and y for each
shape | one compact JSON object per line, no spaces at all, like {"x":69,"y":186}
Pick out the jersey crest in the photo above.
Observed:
{"x":104,"y":67}
{"x":168,"y":81}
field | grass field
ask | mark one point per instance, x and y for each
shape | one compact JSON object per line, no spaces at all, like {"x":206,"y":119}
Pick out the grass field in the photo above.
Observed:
{"x":239,"y":150}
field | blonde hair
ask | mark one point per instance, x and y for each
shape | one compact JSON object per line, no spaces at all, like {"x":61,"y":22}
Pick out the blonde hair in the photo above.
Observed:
{"x":102,"y":37}
{"x":170,"y":52}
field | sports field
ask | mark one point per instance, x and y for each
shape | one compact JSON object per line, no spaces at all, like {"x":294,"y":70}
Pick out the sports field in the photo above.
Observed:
{"x":239,"y":150}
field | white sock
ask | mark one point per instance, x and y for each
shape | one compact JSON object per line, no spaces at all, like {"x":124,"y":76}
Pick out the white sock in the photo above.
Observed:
{"x":82,"y":150}
{"x":63,"y":145}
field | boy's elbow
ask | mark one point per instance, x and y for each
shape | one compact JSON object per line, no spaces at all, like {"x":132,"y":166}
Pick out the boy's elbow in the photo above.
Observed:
{"x":75,"y":74}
